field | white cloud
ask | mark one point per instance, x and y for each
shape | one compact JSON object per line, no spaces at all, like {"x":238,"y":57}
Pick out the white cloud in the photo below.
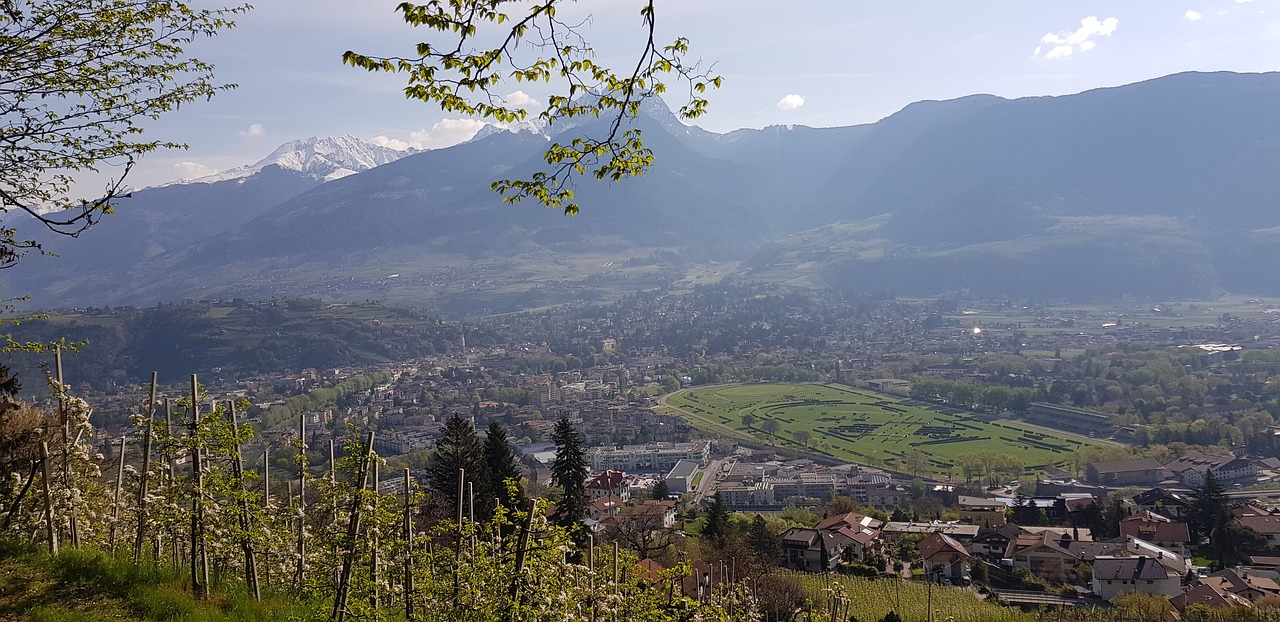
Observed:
{"x":1063,"y":45}
{"x":521,"y":98}
{"x":1192,"y":15}
{"x":192,"y":170}
{"x":1243,"y":1}
{"x":790,"y":102}
{"x":444,"y":133}
{"x":389,"y":142}
{"x":254,"y":131}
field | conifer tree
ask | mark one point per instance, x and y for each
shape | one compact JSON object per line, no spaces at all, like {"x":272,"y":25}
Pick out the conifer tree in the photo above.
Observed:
{"x":500,"y":465}
{"x":766,"y":545}
{"x":1208,"y":507}
{"x":717,"y":527}
{"x":569,"y":472}
{"x":458,"y":448}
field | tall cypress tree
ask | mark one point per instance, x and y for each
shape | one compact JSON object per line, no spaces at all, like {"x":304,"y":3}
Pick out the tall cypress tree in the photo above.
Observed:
{"x":500,"y":466}
{"x":458,"y":448}
{"x":569,"y":472}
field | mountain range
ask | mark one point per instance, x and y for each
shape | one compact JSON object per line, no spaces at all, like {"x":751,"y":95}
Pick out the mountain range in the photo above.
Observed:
{"x":1160,"y":189}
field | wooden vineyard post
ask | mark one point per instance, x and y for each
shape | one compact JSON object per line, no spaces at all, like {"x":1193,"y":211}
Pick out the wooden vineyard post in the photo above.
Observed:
{"x":172,"y":459}
{"x":353,"y":532}
{"x":457,"y":549}
{"x":115,"y":503}
{"x":408,"y":539}
{"x":333,"y":491}
{"x":199,"y":555}
{"x":246,"y":522}
{"x":144,"y":478}
{"x":374,"y":543}
{"x":51,"y":529}
{"x":300,"y":573}
{"x":66,"y":447}
{"x":522,"y":550}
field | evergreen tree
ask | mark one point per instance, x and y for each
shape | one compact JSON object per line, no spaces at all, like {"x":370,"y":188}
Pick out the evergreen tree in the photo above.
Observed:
{"x":458,"y":448}
{"x":500,"y":466}
{"x":569,"y":472}
{"x":1208,"y":511}
{"x":717,"y":527}
{"x":766,"y":545}
{"x":661,"y":490}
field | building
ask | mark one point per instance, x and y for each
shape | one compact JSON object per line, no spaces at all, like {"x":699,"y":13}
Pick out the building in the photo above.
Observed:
{"x":746,"y":495}
{"x":1113,"y":576}
{"x":649,"y":458}
{"x":1158,"y":530}
{"x":810,"y":550}
{"x":609,"y":484}
{"x":1191,"y":470}
{"x":1163,"y":502}
{"x":680,"y":478}
{"x":944,"y":558}
{"x":981,"y":511}
{"x":1125,"y":472}
{"x":1069,"y":418}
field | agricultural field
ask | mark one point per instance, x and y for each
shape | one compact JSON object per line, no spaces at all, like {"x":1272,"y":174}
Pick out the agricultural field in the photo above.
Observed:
{"x":869,"y":428}
{"x":871,"y":599}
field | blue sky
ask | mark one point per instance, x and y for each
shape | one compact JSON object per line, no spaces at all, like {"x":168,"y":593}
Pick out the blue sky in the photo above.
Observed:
{"x":809,"y":62}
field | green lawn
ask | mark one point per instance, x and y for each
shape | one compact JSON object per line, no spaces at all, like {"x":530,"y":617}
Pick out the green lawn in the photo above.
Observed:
{"x":869,"y":428}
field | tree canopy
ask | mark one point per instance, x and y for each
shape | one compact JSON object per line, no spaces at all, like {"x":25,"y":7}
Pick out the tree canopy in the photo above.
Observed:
{"x":78,"y":78}
{"x":473,"y":48}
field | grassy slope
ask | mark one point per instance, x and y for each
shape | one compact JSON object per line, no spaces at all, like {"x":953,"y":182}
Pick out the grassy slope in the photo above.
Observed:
{"x":90,"y":586}
{"x":893,"y":427}
{"x":871,"y":599}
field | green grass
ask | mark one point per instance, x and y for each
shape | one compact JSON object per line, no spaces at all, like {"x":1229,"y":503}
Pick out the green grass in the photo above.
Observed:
{"x":871,"y":599}
{"x":869,"y":428}
{"x":91,"y":585}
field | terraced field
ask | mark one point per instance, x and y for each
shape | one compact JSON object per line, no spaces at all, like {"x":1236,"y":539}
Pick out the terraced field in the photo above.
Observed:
{"x":869,"y":428}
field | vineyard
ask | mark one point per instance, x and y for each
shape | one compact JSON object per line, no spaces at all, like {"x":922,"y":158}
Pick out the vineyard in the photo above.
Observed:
{"x":872,"y":599}
{"x":188,"y":504}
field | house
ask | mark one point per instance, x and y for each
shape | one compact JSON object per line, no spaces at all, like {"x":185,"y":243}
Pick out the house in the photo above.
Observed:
{"x":982,"y":511}
{"x":1113,"y":576}
{"x":857,"y":543}
{"x":810,"y":550}
{"x":991,"y":543}
{"x":1163,"y":502}
{"x":1125,"y":472}
{"x":1207,"y":596}
{"x":657,"y":512}
{"x":601,"y":508}
{"x":610,"y":483}
{"x":945,"y":558}
{"x":851,"y":519}
{"x":1191,"y":470}
{"x":1158,"y":530}
{"x":1268,"y":525}
{"x":1248,"y":586}
{"x":893,"y":531}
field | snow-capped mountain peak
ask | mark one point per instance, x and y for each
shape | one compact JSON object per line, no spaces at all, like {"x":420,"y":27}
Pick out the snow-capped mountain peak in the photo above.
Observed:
{"x":322,"y":159}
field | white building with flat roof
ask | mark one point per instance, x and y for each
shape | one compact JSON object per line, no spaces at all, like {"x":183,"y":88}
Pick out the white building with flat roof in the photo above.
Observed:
{"x":648,"y":458}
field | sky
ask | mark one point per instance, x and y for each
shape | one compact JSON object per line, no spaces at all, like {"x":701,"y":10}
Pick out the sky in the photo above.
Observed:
{"x":809,"y":62}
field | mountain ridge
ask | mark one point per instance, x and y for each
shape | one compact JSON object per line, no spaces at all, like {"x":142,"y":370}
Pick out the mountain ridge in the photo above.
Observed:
{"x":1160,"y":188}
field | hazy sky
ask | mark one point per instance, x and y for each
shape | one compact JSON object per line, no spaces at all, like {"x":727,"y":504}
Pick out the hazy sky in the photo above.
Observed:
{"x":810,"y":62}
